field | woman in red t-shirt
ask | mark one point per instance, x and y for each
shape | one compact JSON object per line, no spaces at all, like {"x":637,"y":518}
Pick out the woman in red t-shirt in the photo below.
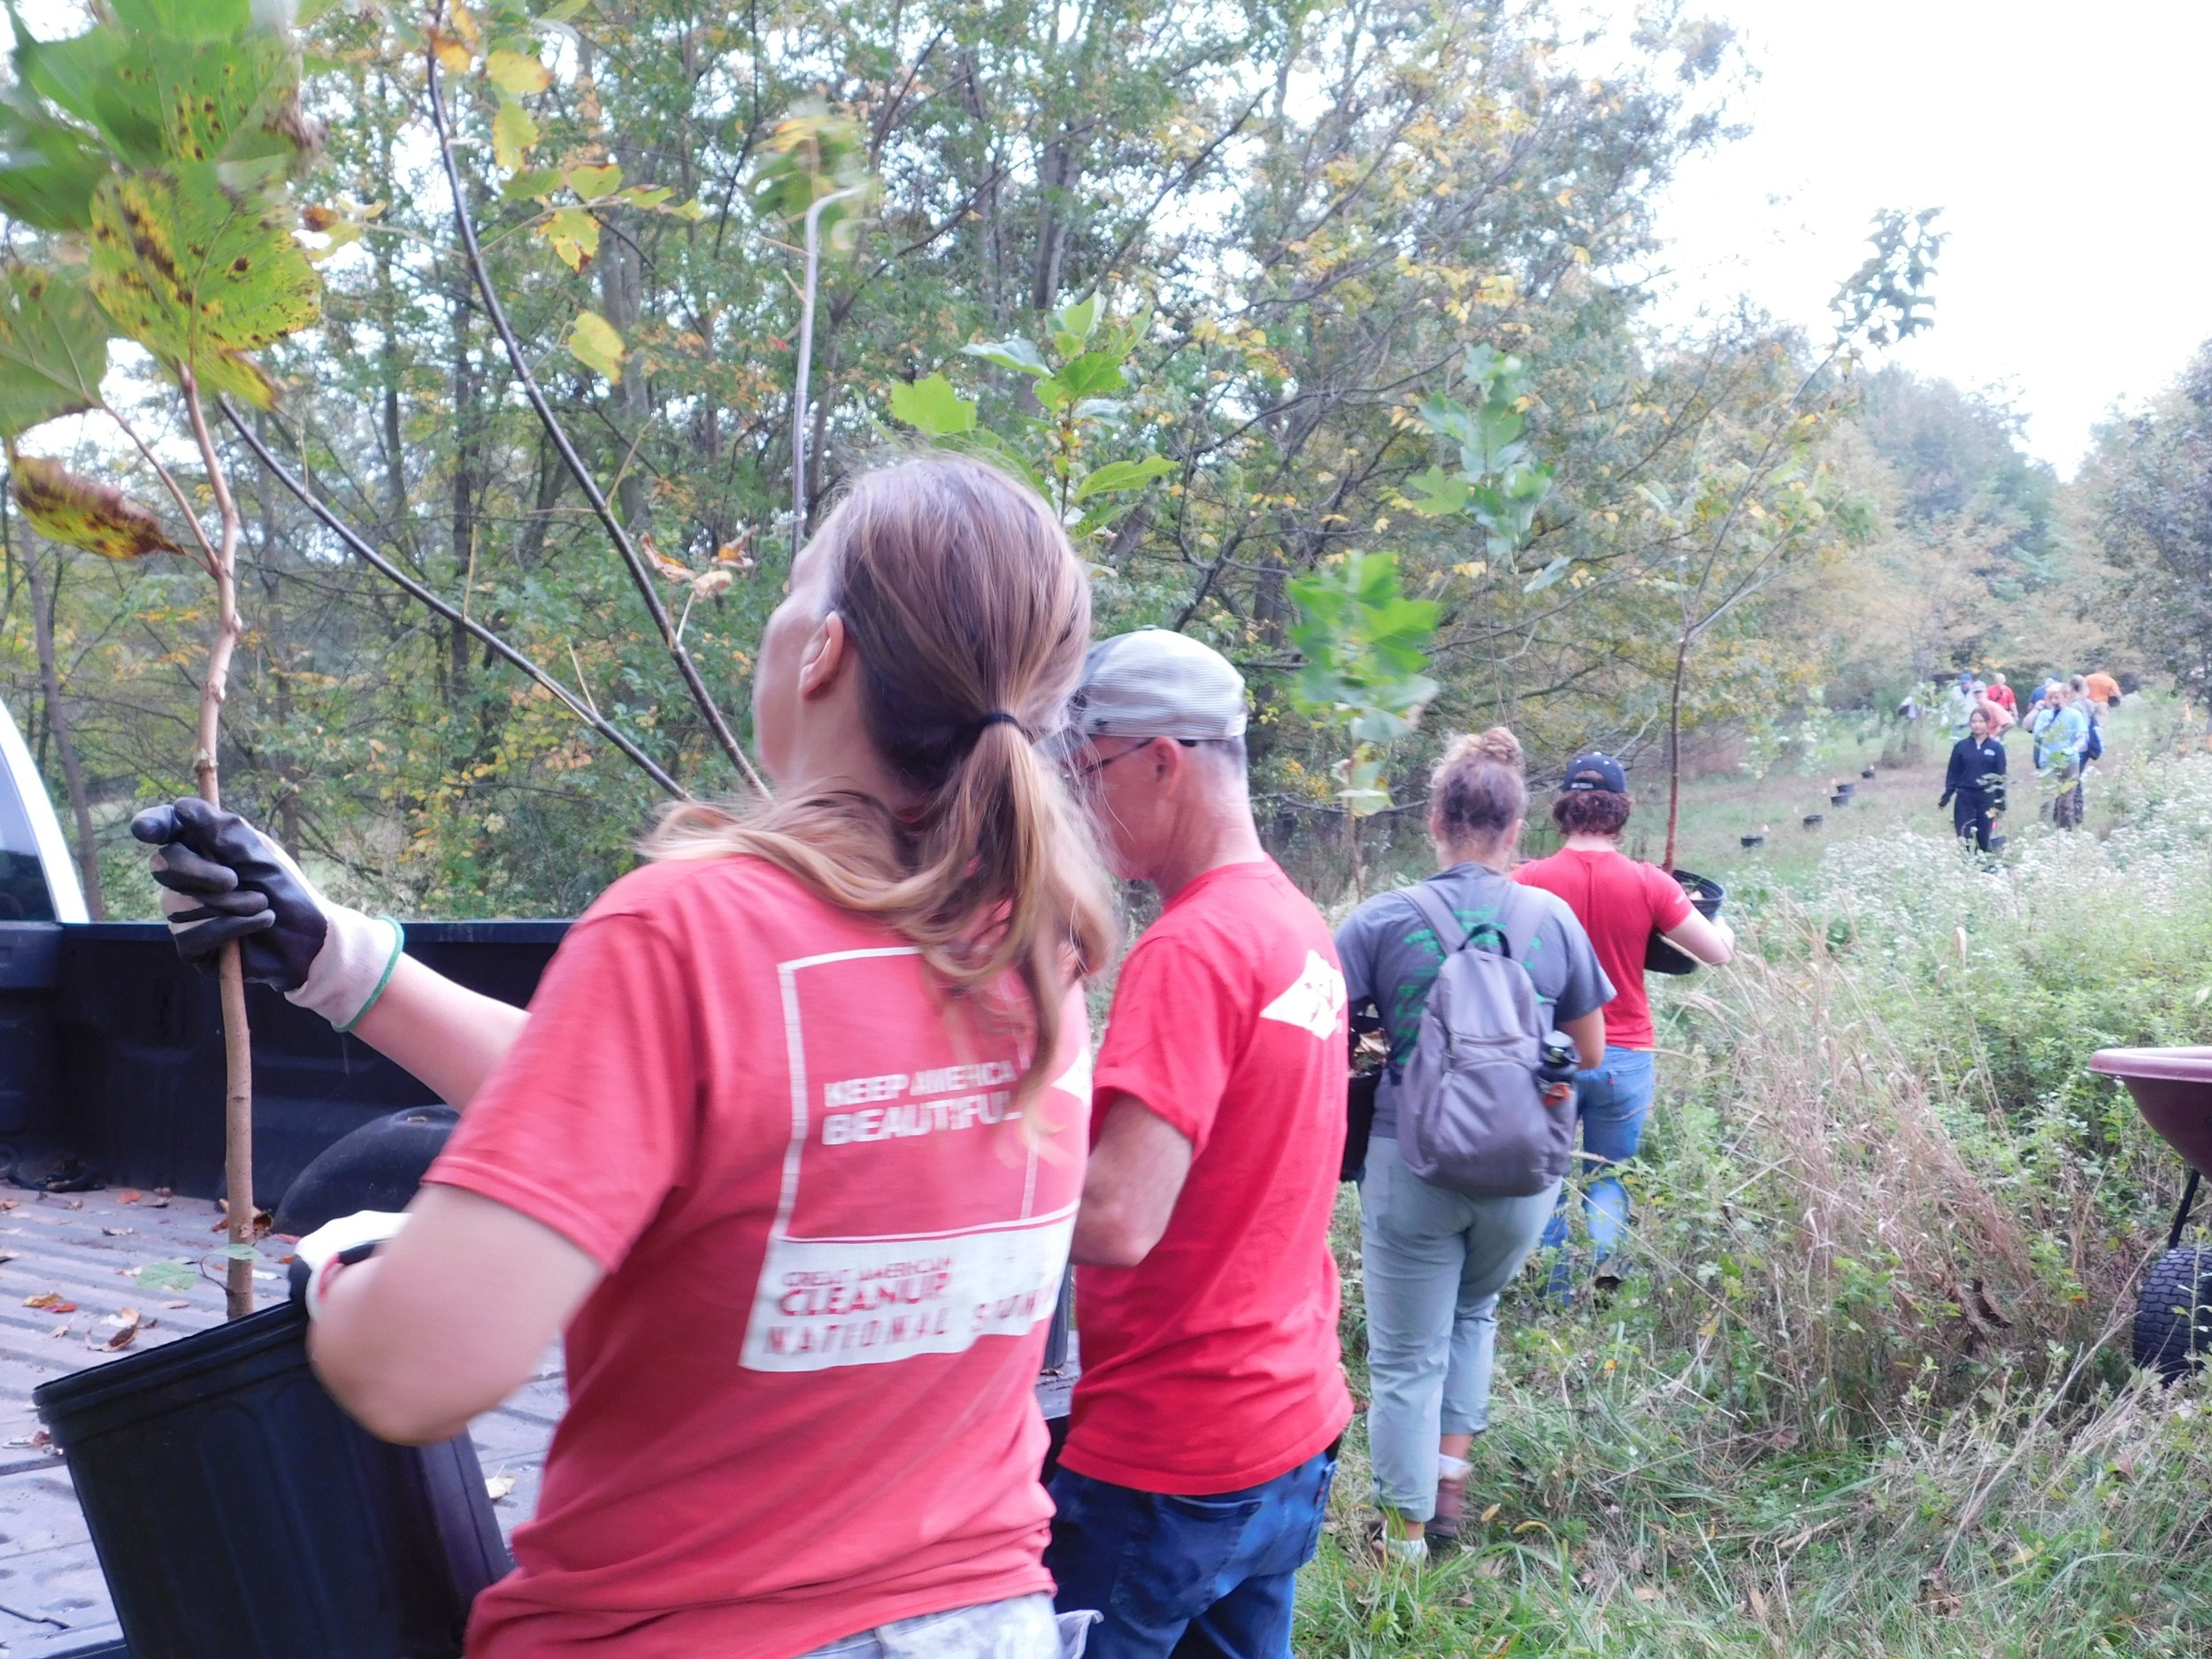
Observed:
{"x":1620,"y":902}
{"x":788,"y":1146}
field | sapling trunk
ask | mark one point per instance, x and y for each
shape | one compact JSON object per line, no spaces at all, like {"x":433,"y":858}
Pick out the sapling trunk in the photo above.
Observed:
{"x":237,"y":1035}
{"x":1674,"y":750}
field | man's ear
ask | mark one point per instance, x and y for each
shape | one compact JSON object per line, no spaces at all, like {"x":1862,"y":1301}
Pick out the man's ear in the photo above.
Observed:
{"x":1167,"y":759}
{"x":828,"y":652}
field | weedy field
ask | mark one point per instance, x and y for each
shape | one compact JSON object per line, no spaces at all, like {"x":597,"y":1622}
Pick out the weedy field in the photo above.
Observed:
{"x":1864,"y":1389}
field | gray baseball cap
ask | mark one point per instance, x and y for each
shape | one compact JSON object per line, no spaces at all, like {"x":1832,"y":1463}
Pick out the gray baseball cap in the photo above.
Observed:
{"x":1155,"y":683}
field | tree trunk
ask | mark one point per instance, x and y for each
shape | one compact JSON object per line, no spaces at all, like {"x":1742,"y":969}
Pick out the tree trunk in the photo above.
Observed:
{"x":237,"y":1037}
{"x":57,"y":719}
{"x":1674,"y":750}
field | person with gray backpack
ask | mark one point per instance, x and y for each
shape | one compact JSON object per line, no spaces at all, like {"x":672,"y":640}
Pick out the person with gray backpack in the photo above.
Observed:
{"x":1471,"y":977}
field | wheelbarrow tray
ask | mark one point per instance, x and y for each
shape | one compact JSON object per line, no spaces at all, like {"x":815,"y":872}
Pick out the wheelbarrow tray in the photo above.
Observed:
{"x":2173,"y":1090}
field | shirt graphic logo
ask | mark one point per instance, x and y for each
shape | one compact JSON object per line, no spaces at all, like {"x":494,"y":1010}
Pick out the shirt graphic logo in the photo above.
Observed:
{"x":1315,"y":1001}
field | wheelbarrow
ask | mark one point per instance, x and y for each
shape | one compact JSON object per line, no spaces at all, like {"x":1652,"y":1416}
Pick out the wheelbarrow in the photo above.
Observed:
{"x":2173,"y":1090}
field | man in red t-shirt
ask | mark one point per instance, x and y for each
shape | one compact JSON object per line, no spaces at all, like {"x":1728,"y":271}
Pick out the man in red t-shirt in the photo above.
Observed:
{"x":1203,"y":1434}
{"x":1621,"y":902}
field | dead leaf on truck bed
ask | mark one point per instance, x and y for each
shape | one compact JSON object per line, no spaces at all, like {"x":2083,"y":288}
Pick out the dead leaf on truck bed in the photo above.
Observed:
{"x":125,"y":1332}
{"x":51,"y":1300}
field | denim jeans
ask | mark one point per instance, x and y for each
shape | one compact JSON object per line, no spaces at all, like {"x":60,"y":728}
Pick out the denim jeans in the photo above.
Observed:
{"x":1197,"y":1578}
{"x":1611,"y":1103}
{"x":1023,"y":1628}
{"x":1433,"y":1261}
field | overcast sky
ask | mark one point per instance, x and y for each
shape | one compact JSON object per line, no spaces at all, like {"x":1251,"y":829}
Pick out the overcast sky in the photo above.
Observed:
{"x":2068,"y":146}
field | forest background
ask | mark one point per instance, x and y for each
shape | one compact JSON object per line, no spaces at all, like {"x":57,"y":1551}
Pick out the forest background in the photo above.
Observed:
{"x":1255,"y":242}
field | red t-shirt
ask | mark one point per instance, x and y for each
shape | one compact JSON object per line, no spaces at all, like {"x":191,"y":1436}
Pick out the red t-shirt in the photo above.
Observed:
{"x":1620,"y":902}
{"x":1212,"y":1365}
{"x":801,"y":1402}
{"x":2002,"y":696}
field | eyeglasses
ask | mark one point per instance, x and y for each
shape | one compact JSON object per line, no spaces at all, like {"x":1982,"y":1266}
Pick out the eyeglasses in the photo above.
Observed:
{"x":1084,"y":774}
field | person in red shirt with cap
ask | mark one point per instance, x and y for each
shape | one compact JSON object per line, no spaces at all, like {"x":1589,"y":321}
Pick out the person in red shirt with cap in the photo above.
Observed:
{"x":1203,"y":1434}
{"x":1621,"y":902}
{"x":787,"y":1149}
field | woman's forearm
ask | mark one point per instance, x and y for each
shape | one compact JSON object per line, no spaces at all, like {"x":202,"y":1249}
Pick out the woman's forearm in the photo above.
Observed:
{"x":447,"y":1035}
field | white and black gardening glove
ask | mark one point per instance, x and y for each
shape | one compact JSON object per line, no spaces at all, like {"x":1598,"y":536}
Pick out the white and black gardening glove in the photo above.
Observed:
{"x":317,"y":1258}
{"x":222,"y":879}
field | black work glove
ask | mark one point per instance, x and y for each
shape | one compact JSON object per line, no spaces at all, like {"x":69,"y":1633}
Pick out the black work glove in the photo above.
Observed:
{"x":222,"y":879}
{"x":1947,"y":799}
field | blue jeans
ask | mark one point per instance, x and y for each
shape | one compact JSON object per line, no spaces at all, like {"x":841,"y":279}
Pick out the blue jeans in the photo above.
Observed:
{"x":1611,"y":1103}
{"x":1434,"y":1262}
{"x":1196,"y":1578}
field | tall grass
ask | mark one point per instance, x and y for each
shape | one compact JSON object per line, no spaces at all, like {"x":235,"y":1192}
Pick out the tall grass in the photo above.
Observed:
{"x":1865,"y":1387}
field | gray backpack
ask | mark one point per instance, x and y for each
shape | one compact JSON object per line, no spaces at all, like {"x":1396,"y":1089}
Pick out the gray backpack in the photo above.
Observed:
{"x":1470,"y":1114}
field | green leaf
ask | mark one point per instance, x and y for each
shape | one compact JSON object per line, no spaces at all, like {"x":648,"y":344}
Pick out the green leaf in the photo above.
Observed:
{"x":932,"y":406}
{"x":82,"y":513}
{"x":1093,"y":374}
{"x":564,"y":10}
{"x":591,"y":183}
{"x":521,"y":74}
{"x":155,"y":100}
{"x":1441,"y":492}
{"x":1120,"y":475}
{"x":53,"y":348}
{"x":597,"y":346}
{"x":513,"y":133}
{"x":48,"y":171}
{"x":1080,"y":319}
{"x":655,"y":195}
{"x":199,"y":273}
{"x":1013,"y":352}
{"x":174,"y":1276}
{"x":531,"y":182}
{"x":185,"y":20}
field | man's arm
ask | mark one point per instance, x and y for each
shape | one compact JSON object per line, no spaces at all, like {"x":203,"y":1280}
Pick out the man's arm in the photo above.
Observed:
{"x":1136,"y":1172}
{"x":1712,"y":942}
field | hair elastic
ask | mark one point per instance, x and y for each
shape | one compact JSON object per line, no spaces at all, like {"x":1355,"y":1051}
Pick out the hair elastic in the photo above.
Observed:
{"x":999,"y":717}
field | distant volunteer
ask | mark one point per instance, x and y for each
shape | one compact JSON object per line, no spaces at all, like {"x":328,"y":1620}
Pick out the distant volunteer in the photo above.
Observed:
{"x":788,"y":1149}
{"x":2062,"y":745}
{"x":1622,"y":902}
{"x":1435,"y":1258}
{"x":1974,"y":784}
{"x":1203,"y":1436}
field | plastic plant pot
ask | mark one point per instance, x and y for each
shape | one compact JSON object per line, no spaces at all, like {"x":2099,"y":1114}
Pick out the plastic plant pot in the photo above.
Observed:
{"x":239,"y":1513}
{"x":1660,"y":954}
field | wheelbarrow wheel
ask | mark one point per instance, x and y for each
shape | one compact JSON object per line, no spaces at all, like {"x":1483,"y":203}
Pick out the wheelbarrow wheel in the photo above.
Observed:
{"x":2173,"y":1317}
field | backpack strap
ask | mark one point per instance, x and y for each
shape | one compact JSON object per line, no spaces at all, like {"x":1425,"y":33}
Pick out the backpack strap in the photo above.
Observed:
{"x":1442,"y":921}
{"x":1520,"y":915}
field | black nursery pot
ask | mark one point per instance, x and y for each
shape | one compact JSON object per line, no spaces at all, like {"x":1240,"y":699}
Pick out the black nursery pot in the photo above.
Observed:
{"x":1813,"y":820}
{"x":1660,"y":954}
{"x":1753,"y":841}
{"x":239,"y":1513}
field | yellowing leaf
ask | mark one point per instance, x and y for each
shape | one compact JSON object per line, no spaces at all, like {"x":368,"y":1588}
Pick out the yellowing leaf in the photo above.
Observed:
{"x":591,"y":183}
{"x":454,"y":57}
{"x":519,"y":73}
{"x":198,"y":273}
{"x":68,"y":507}
{"x":574,"y":234}
{"x":513,"y":133}
{"x":464,"y":24}
{"x":597,"y":346}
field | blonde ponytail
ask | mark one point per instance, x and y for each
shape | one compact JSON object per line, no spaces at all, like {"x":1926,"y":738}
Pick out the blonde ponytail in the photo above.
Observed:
{"x":970,"y":616}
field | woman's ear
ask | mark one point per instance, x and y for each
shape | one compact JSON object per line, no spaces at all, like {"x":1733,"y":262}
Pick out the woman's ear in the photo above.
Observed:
{"x":827,"y":653}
